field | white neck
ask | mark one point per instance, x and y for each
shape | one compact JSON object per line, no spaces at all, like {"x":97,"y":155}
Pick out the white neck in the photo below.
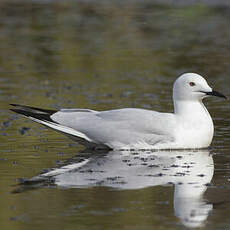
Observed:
{"x":194,"y":121}
{"x":189,"y":108}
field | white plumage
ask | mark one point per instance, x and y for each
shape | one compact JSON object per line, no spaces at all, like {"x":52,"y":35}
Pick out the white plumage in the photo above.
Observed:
{"x":190,"y":126}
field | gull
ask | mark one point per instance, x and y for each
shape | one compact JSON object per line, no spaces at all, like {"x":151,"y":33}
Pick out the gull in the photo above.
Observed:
{"x":189,"y":126}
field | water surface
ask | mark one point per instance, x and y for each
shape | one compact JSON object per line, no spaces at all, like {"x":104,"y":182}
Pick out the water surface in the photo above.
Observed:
{"x":105,"y":55}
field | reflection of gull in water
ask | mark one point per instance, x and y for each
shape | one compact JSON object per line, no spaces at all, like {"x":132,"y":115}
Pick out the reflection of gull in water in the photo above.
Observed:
{"x":189,"y":171}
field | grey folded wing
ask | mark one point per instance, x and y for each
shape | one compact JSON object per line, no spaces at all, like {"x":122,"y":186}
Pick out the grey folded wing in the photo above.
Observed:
{"x":119,"y":127}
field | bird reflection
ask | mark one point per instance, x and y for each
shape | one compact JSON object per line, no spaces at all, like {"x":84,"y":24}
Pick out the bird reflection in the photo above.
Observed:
{"x":189,"y":171}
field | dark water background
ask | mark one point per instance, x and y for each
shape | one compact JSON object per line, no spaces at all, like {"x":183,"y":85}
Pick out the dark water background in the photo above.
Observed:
{"x":104,"y":55}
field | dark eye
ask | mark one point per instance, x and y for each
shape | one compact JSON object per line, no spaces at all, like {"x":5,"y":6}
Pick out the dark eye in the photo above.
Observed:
{"x":192,"y":83}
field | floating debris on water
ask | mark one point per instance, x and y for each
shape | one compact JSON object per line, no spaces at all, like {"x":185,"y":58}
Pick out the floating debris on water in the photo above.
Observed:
{"x":23,"y":130}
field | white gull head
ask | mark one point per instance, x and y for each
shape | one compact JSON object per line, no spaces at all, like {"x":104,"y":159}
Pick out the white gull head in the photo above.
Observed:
{"x":192,"y":87}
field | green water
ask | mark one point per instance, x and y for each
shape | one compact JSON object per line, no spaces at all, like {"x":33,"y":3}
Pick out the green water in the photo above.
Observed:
{"x":104,"y":55}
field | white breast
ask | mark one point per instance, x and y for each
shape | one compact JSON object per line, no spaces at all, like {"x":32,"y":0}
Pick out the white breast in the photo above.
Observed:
{"x":195,"y":132}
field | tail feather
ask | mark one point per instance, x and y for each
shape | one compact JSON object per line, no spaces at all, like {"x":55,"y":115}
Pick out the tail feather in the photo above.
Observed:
{"x":42,"y":116}
{"x":62,"y":129}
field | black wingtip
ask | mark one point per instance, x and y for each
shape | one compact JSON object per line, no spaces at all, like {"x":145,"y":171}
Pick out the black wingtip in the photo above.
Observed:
{"x":40,"y":114}
{"x":14,"y":110}
{"x":34,"y":109}
{"x":17,"y":105}
{"x":22,"y":112}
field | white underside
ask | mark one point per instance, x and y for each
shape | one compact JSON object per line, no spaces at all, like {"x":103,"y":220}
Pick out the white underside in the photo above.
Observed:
{"x":145,"y":146}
